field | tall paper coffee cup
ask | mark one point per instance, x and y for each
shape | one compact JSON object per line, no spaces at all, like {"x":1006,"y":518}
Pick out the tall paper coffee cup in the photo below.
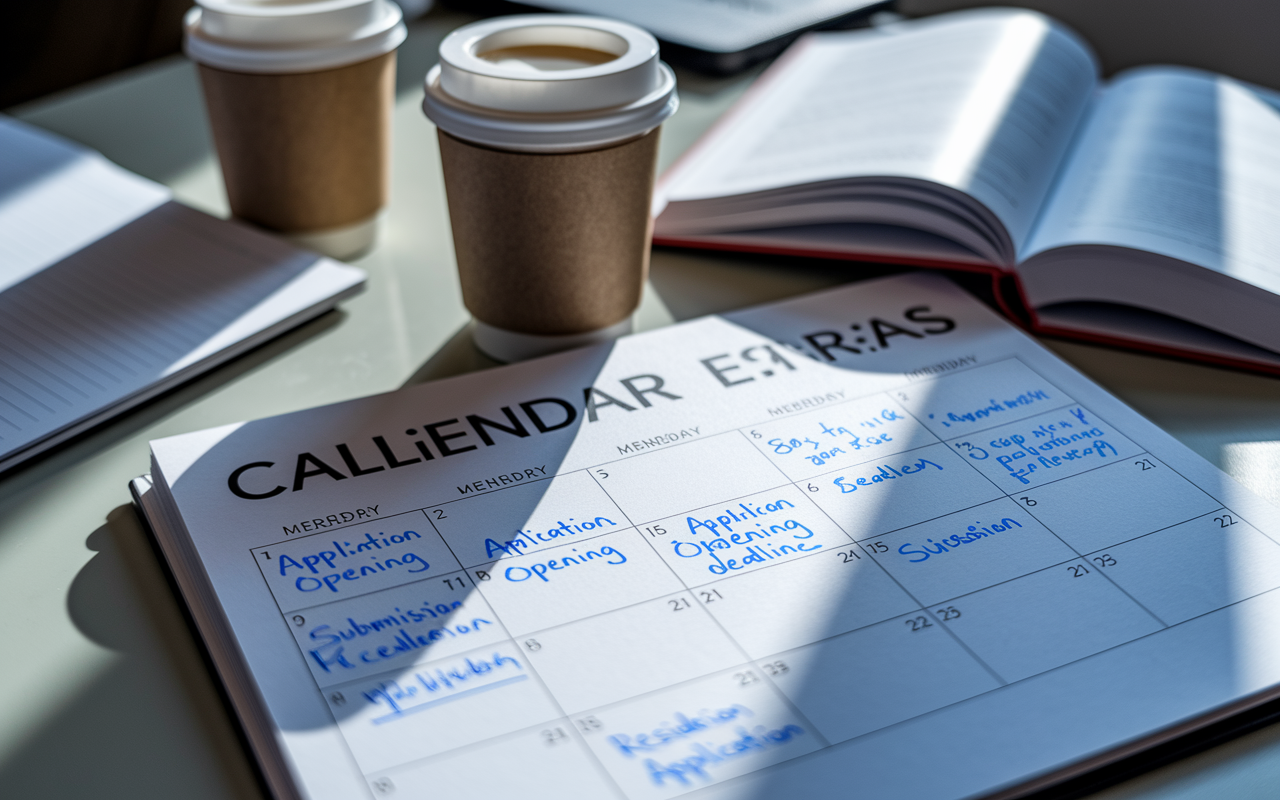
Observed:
{"x":548,"y":132}
{"x":299,"y":96}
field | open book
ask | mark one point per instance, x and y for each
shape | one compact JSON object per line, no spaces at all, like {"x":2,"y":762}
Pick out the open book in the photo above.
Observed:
{"x":1138,"y":211}
{"x":737,"y":558}
{"x":111,"y":292}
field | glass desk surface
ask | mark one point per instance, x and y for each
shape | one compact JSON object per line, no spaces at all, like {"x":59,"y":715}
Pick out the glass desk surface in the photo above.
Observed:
{"x":103,"y":687}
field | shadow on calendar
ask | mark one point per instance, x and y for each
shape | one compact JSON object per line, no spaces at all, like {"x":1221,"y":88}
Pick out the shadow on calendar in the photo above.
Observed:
{"x":989,"y":559}
{"x":744,"y":557}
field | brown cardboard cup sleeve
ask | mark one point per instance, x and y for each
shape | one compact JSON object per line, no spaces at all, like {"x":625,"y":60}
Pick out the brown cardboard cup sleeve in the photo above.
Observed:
{"x":303,"y":151}
{"x":551,"y":244}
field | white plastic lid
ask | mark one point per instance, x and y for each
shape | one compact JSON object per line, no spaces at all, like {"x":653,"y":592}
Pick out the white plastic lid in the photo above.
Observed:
{"x":277,"y":36}
{"x":549,"y":83}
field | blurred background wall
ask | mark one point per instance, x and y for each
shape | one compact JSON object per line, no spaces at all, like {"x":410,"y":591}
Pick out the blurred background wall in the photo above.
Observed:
{"x":47,"y":45}
{"x":1235,"y":37}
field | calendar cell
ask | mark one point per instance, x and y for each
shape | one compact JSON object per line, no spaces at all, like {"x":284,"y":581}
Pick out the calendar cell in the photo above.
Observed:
{"x":1046,"y":619}
{"x":800,"y":602}
{"x":526,"y":518}
{"x":743,"y":535}
{"x":903,"y":490}
{"x":628,"y":652}
{"x":1045,"y":448}
{"x":1194,"y":568}
{"x":862,"y":681}
{"x":394,"y":629}
{"x":656,"y":484}
{"x":698,"y":733}
{"x":439,"y":706}
{"x":550,"y":764}
{"x":1116,"y":503}
{"x":839,"y":436}
{"x":555,"y":586}
{"x":967,"y":551}
{"x":980,"y":398}
{"x":350,"y":562}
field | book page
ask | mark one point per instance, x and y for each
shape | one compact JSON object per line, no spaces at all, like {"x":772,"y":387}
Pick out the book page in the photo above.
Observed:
{"x":1174,"y":161}
{"x":755,"y":555}
{"x":984,"y":102}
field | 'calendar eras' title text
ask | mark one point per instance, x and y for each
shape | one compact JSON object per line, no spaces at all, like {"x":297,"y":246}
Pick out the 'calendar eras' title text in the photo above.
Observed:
{"x":260,"y":480}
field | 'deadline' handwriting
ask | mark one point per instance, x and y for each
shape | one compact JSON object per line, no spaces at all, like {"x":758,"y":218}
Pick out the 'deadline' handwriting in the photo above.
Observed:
{"x":399,"y":633}
{"x":730,"y":550}
{"x":884,"y":473}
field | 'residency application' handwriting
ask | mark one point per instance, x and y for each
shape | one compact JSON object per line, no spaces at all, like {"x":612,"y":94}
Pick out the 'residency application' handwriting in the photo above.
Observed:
{"x":702,"y":758}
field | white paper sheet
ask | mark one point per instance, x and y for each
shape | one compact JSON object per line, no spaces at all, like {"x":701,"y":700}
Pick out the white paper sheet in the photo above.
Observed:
{"x":873,"y":537}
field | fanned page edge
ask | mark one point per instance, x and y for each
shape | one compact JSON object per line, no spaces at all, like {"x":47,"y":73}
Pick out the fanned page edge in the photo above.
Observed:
{"x":1010,"y":297}
{"x":1153,"y":254}
{"x":236,"y":685}
{"x":1008,"y":225}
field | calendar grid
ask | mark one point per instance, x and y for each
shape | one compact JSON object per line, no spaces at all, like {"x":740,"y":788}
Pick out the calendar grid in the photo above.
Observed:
{"x":750,"y":657}
{"x":758,"y":423}
{"x":465,"y":574}
{"x":516,"y":733}
{"x":1080,"y":556}
{"x":1171,"y":468}
{"x":688,"y":590}
{"x":546,"y":690}
{"x":919,"y":606}
{"x":1032,"y":514}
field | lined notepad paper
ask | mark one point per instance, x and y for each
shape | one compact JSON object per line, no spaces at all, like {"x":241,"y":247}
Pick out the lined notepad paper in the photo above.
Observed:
{"x":111,"y":292}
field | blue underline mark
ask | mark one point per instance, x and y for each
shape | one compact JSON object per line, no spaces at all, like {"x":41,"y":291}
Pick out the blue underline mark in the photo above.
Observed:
{"x":450,"y":699}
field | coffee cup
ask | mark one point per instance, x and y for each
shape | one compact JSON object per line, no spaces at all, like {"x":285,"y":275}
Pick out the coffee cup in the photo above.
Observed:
{"x":299,"y":95}
{"x":548,"y":132}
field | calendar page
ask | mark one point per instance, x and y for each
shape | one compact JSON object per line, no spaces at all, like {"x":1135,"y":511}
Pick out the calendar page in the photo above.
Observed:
{"x":872,"y":542}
